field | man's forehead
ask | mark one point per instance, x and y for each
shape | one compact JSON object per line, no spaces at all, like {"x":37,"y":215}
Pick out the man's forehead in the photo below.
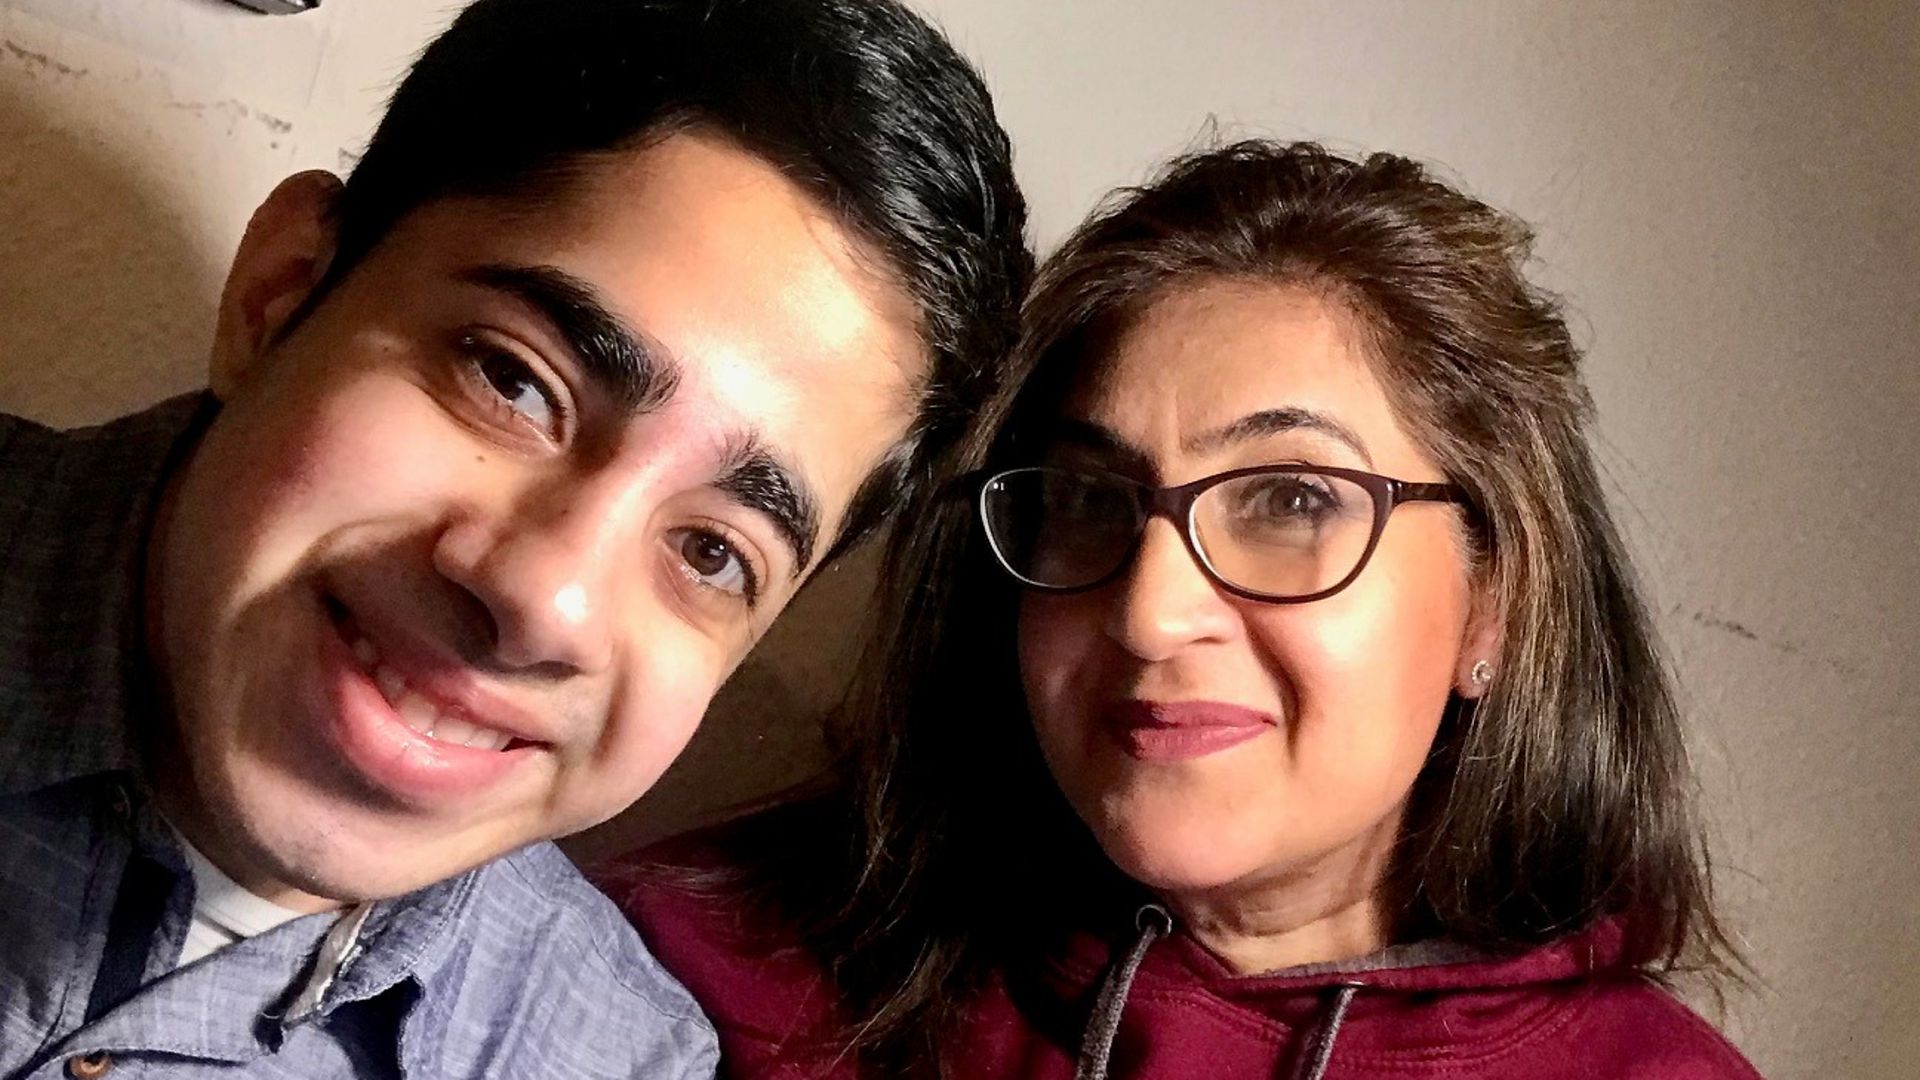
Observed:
{"x":691,"y":269}
{"x":687,"y":206}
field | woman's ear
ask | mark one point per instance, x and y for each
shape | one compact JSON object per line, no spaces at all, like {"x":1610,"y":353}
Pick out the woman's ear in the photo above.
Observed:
{"x":289,"y":244}
{"x":1480,"y":646}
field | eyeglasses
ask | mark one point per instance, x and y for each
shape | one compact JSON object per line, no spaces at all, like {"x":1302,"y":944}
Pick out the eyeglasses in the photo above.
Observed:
{"x":1284,"y":534}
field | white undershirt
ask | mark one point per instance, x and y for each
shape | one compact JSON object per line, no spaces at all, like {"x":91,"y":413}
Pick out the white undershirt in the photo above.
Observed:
{"x":223,"y":911}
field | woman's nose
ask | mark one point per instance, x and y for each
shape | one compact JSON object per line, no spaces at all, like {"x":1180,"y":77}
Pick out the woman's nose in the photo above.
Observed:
{"x":1164,"y":601}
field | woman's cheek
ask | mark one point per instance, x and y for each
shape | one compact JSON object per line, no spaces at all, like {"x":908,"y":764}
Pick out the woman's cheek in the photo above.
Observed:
{"x":1053,"y":668}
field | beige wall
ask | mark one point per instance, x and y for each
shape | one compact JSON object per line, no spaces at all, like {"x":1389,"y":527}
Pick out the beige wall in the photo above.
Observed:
{"x":1724,"y":188}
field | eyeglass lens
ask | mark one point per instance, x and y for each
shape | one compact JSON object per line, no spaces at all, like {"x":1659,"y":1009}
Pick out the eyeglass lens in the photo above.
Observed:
{"x":1280,"y":534}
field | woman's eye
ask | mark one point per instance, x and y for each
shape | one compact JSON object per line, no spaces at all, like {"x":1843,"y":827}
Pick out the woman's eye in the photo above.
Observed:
{"x":514,"y":383}
{"x":1301,"y":499}
{"x":1277,"y":496}
{"x":1293,"y":499}
{"x":716,"y":563}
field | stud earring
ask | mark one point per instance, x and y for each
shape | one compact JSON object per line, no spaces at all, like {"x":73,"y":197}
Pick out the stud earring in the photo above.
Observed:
{"x":1481,"y":675}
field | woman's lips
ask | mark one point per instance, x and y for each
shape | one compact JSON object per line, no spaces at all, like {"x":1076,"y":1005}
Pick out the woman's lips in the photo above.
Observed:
{"x":1183,"y":730}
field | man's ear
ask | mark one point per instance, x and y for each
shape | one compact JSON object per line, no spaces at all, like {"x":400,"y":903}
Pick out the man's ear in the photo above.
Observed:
{"x":284,"y":255}
{"x":1480,"y":647}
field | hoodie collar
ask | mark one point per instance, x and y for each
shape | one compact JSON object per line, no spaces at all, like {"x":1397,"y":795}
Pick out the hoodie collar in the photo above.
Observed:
{"x":1435,"y":964}
{"x":1385,"y":996}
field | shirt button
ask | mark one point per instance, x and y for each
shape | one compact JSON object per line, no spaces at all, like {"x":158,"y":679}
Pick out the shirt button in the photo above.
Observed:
{"x":90,"y":1066}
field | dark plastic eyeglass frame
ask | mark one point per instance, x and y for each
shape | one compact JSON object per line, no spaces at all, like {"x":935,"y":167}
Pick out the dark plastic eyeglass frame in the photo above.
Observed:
{"x":1176,"y":505}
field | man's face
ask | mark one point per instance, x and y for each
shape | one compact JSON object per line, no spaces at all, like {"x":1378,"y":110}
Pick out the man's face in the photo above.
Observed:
{"x":465,"y":556}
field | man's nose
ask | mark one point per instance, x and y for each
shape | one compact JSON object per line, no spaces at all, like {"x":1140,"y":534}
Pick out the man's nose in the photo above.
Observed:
{"x":544,"y":572}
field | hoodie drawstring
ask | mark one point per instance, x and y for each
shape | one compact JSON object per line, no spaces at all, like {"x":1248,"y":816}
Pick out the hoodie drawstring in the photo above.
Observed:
{"x":1153,"y":922}
{"x":1329,"y":1030}
{"x":1096,"y":1046}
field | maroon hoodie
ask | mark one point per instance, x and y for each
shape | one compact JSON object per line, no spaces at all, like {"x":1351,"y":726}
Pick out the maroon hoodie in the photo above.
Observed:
{"x":1154,"y":1004}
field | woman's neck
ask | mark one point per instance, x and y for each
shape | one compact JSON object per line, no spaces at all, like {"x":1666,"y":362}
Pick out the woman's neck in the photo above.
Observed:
{"x":1324,"y":912}
{"x":1252,"y":938}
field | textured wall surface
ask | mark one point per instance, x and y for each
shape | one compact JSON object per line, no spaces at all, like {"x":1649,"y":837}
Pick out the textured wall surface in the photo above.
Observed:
{"x":1724,"y":189}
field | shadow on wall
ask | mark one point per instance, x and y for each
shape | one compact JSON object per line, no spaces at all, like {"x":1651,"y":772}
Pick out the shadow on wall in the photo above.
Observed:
{"x":762,"y":734}
{"x":106,"y":295}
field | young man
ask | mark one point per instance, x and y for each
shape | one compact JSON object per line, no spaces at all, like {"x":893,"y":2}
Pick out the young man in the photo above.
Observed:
{"x":633,"y":313}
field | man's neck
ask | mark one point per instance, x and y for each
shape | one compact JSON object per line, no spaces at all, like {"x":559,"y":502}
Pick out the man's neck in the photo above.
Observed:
{"x":217,"y":847}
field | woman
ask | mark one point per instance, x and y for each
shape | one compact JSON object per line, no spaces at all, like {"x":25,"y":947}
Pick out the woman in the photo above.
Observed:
{"x":1277,"y":701}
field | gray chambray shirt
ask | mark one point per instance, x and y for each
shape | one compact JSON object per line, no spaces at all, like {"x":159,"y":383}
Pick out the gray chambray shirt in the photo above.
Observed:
{"x":518,"y":969}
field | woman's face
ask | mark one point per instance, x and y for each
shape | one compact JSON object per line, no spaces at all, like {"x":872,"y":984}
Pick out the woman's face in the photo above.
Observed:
{"x":1338,"y":699}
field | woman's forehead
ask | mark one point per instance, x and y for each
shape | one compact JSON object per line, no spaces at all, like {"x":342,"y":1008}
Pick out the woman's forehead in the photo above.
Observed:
{"x":1197,"y":363}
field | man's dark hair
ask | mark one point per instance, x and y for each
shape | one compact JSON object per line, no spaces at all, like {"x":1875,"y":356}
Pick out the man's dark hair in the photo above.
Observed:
{"x":860,"y":102}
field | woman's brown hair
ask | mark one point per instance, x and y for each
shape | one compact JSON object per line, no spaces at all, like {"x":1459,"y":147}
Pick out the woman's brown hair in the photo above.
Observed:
{"x":1562,"y":797}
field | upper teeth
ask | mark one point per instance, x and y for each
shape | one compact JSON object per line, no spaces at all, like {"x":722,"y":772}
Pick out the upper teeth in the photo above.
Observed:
{"x":421,"y":713}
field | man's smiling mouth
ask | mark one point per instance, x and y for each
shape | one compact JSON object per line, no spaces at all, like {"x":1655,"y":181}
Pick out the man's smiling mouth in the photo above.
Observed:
{"x":424,"y":714}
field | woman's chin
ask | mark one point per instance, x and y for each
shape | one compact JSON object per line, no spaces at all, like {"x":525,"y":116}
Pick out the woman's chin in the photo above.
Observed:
{"x":1178,"y":863}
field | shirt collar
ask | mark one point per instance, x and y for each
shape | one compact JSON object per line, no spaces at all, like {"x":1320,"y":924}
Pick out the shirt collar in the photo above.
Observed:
{"x":76,"y":508}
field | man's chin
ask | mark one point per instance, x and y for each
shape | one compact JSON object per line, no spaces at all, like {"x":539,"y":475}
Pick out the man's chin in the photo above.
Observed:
{"x":341,"y":864}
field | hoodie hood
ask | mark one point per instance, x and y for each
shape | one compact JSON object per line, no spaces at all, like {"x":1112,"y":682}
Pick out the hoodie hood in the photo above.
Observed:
{"x":1173,"y":1011}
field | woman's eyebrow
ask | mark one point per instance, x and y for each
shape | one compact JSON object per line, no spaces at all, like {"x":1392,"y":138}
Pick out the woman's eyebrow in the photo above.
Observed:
{"x":1116,"y":451}
{"x":1275,"y":422}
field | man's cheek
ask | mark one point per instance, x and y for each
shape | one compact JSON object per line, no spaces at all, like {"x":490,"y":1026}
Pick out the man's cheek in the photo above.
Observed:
{"x":345,"y":466}
{"x":633,"y":752}
{"x":656,"y":714}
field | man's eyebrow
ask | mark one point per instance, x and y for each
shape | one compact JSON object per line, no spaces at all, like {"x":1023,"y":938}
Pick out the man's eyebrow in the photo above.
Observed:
{"x":635,"y":368}
{"x":759,"y":481}
{"x":1274,"y":422}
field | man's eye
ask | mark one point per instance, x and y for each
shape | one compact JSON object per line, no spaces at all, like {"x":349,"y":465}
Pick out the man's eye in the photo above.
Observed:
{"x":515,"y":384}
{"x":714,"y":561}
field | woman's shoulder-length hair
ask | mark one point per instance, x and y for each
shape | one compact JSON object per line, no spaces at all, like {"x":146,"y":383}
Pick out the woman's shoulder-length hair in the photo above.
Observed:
{"x":1563,"y":796}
